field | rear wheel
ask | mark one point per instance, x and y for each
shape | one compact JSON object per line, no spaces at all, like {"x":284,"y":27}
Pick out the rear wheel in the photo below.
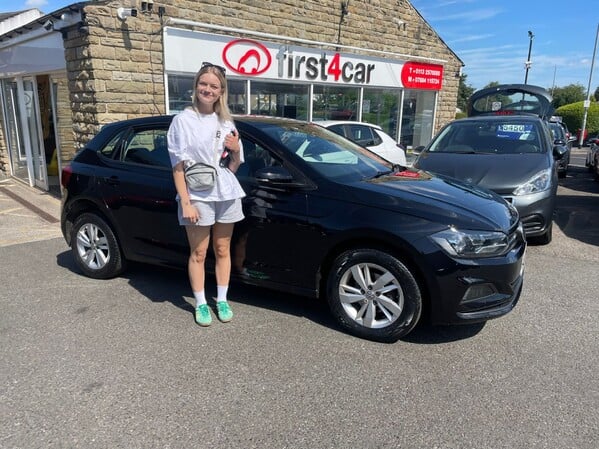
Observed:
{"x":373,"y":295}
{"x":95,"y":247}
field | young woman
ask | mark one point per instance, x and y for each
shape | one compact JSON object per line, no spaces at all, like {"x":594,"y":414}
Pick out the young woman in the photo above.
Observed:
{"x":200,"y":134}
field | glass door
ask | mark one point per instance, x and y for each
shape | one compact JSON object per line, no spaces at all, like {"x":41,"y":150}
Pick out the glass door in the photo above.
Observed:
{"x":12,"y":130}
{"x":38,"y":156}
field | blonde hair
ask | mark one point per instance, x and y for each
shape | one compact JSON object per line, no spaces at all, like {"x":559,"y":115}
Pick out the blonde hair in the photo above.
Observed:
{"x":221,"y":107}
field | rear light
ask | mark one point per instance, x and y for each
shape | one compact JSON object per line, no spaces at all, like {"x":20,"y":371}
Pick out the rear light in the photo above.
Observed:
{"x":66,"y":176}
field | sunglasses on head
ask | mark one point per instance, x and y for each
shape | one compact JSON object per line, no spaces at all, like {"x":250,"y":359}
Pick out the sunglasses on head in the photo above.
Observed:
{"x":218,"y":67}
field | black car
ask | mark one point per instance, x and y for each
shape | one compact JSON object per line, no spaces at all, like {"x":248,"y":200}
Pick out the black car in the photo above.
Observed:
{"x":384,"y":246}
{"x":558,"y":133}
{"x":505,"y":146}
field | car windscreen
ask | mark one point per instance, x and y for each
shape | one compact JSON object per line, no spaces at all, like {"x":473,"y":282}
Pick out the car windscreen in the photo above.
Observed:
{"x":330,"y":155}
{"x":510,"y":136}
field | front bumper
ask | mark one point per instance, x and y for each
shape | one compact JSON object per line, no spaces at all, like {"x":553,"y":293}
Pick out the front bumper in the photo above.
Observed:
{"x":476,"y":290}
{"x":535,"y":210}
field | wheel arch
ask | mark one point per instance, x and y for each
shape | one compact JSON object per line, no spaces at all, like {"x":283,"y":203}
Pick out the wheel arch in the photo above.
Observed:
{"x":401,"y":252}
{"x":82,"y":206}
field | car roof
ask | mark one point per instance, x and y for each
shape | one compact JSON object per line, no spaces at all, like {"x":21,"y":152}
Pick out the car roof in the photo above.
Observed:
{"x":327,"y":123}
{"x":499,"y":118}
{"x":167,"y":119}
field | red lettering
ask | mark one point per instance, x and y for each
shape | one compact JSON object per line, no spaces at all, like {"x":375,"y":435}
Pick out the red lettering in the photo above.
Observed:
{"x":334,"y":68}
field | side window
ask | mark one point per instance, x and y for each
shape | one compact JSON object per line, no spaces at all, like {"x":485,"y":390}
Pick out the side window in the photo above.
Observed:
{"x":337,"y":129}
{"x":376,"y":138}
{"x":362,"y":135}
{"x":147,"y":147}
{"x":256,"y":157}
{"x":112,"y":146}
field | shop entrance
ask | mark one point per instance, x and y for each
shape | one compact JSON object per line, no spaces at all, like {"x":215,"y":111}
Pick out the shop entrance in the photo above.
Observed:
{"x":30,"y":130}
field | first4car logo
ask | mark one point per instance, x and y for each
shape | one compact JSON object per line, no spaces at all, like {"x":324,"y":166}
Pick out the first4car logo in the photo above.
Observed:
{"x":247,"y":57}
{"x":313,"y":68}
{"x":251,"y":58}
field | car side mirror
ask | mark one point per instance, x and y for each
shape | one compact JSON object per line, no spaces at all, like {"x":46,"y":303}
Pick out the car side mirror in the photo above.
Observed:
{"x":416,"y":151}
{"x":276,"y":176}
{"x":559,"y":151}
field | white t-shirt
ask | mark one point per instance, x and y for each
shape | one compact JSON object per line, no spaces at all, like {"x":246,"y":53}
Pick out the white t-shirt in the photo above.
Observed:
{"x":192,"y":137}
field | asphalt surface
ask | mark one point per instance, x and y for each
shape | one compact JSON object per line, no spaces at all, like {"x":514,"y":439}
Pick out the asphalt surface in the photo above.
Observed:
{"x":27,"y":214}
{"x":121,"y":363}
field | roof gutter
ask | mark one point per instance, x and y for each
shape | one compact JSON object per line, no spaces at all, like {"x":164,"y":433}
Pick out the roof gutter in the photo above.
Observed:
{"x":210,"y":26}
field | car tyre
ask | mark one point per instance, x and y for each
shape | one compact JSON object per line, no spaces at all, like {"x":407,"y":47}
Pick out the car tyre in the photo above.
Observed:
{"x":95,"y":247}
{"x":373,"y":295}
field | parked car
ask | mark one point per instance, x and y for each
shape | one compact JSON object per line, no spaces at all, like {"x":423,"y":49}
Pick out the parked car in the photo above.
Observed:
{"x":569,"y":136}
{"x":324,"y":218}
{"x":592,"y":157}
{"x":592,"y":138}
{"x":504,"y":145}
{"x":370,"y":136}
{"x":559,"y":138}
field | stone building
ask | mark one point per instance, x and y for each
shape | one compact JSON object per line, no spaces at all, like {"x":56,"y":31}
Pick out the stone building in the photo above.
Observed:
{"x":65,"y":74}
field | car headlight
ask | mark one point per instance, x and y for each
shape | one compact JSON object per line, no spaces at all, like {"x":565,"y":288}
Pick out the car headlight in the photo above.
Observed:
{"x":469,"y":243}
{"x":538,"y":183}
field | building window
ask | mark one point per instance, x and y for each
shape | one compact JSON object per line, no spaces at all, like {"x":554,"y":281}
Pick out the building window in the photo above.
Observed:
{"x":380,"y":106}
{"x":335,"y":103}
{"x":279,"y":99}
{"x":417,"y":118}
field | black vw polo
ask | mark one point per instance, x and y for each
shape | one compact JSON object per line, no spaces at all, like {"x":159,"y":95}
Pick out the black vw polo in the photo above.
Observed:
{"x":324,"y":218}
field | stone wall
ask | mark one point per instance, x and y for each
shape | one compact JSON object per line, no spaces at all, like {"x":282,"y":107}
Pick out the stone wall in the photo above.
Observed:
{"x":116,"y":71}
{"x":64,"y":119}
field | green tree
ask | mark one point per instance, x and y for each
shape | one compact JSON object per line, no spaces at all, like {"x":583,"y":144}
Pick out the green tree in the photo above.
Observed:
{"x":573,"y":115}
{"x":571,"y":93}
{"x":492,"y":84}
{"x":464,"y":92}
{"x":596,"y":94}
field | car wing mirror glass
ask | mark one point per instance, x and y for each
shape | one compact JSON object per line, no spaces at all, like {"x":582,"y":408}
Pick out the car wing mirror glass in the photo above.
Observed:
{"x":559,"y":151}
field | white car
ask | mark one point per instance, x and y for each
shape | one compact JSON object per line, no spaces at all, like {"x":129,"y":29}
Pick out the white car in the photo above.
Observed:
{"x":370,"y":136}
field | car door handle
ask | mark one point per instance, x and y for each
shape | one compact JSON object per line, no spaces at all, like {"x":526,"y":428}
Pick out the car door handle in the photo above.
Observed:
{"x":113,"y":181}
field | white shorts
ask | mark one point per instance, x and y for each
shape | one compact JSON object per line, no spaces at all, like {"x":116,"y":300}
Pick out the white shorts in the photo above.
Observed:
{"x":214,"y":212}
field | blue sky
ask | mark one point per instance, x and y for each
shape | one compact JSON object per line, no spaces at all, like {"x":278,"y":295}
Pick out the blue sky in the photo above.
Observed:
{"x":491,"y":37}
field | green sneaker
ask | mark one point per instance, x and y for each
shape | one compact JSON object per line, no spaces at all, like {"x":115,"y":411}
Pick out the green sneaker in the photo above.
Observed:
{"x":203,"y":317}
{"x":225,"y":313}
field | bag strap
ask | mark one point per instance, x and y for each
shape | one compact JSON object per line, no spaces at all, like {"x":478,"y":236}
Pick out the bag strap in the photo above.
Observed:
{"x":216,"y":142}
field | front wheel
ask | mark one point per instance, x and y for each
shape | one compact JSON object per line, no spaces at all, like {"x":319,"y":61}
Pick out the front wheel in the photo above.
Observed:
{"x":373,"y":295}
{"x":95,"y":247}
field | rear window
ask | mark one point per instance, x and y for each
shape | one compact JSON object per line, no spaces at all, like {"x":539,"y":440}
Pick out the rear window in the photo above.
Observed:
{"x":512,"y":99}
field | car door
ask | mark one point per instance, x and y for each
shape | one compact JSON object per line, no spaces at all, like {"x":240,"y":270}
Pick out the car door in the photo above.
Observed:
{"x":276,"y":235}
{"x":141,"y":194}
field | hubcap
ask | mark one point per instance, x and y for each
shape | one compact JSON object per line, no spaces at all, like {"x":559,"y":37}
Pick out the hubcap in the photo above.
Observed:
{"x":92,"y":246}
{"x":371,"y":295}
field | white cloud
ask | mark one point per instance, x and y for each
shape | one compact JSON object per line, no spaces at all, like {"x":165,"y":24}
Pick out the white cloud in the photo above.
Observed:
{"x":36,"y":3}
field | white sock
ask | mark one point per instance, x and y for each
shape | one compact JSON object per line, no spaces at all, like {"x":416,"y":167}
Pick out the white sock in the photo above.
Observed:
{"x":200,"y":298}
{"x":221,"y":292}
